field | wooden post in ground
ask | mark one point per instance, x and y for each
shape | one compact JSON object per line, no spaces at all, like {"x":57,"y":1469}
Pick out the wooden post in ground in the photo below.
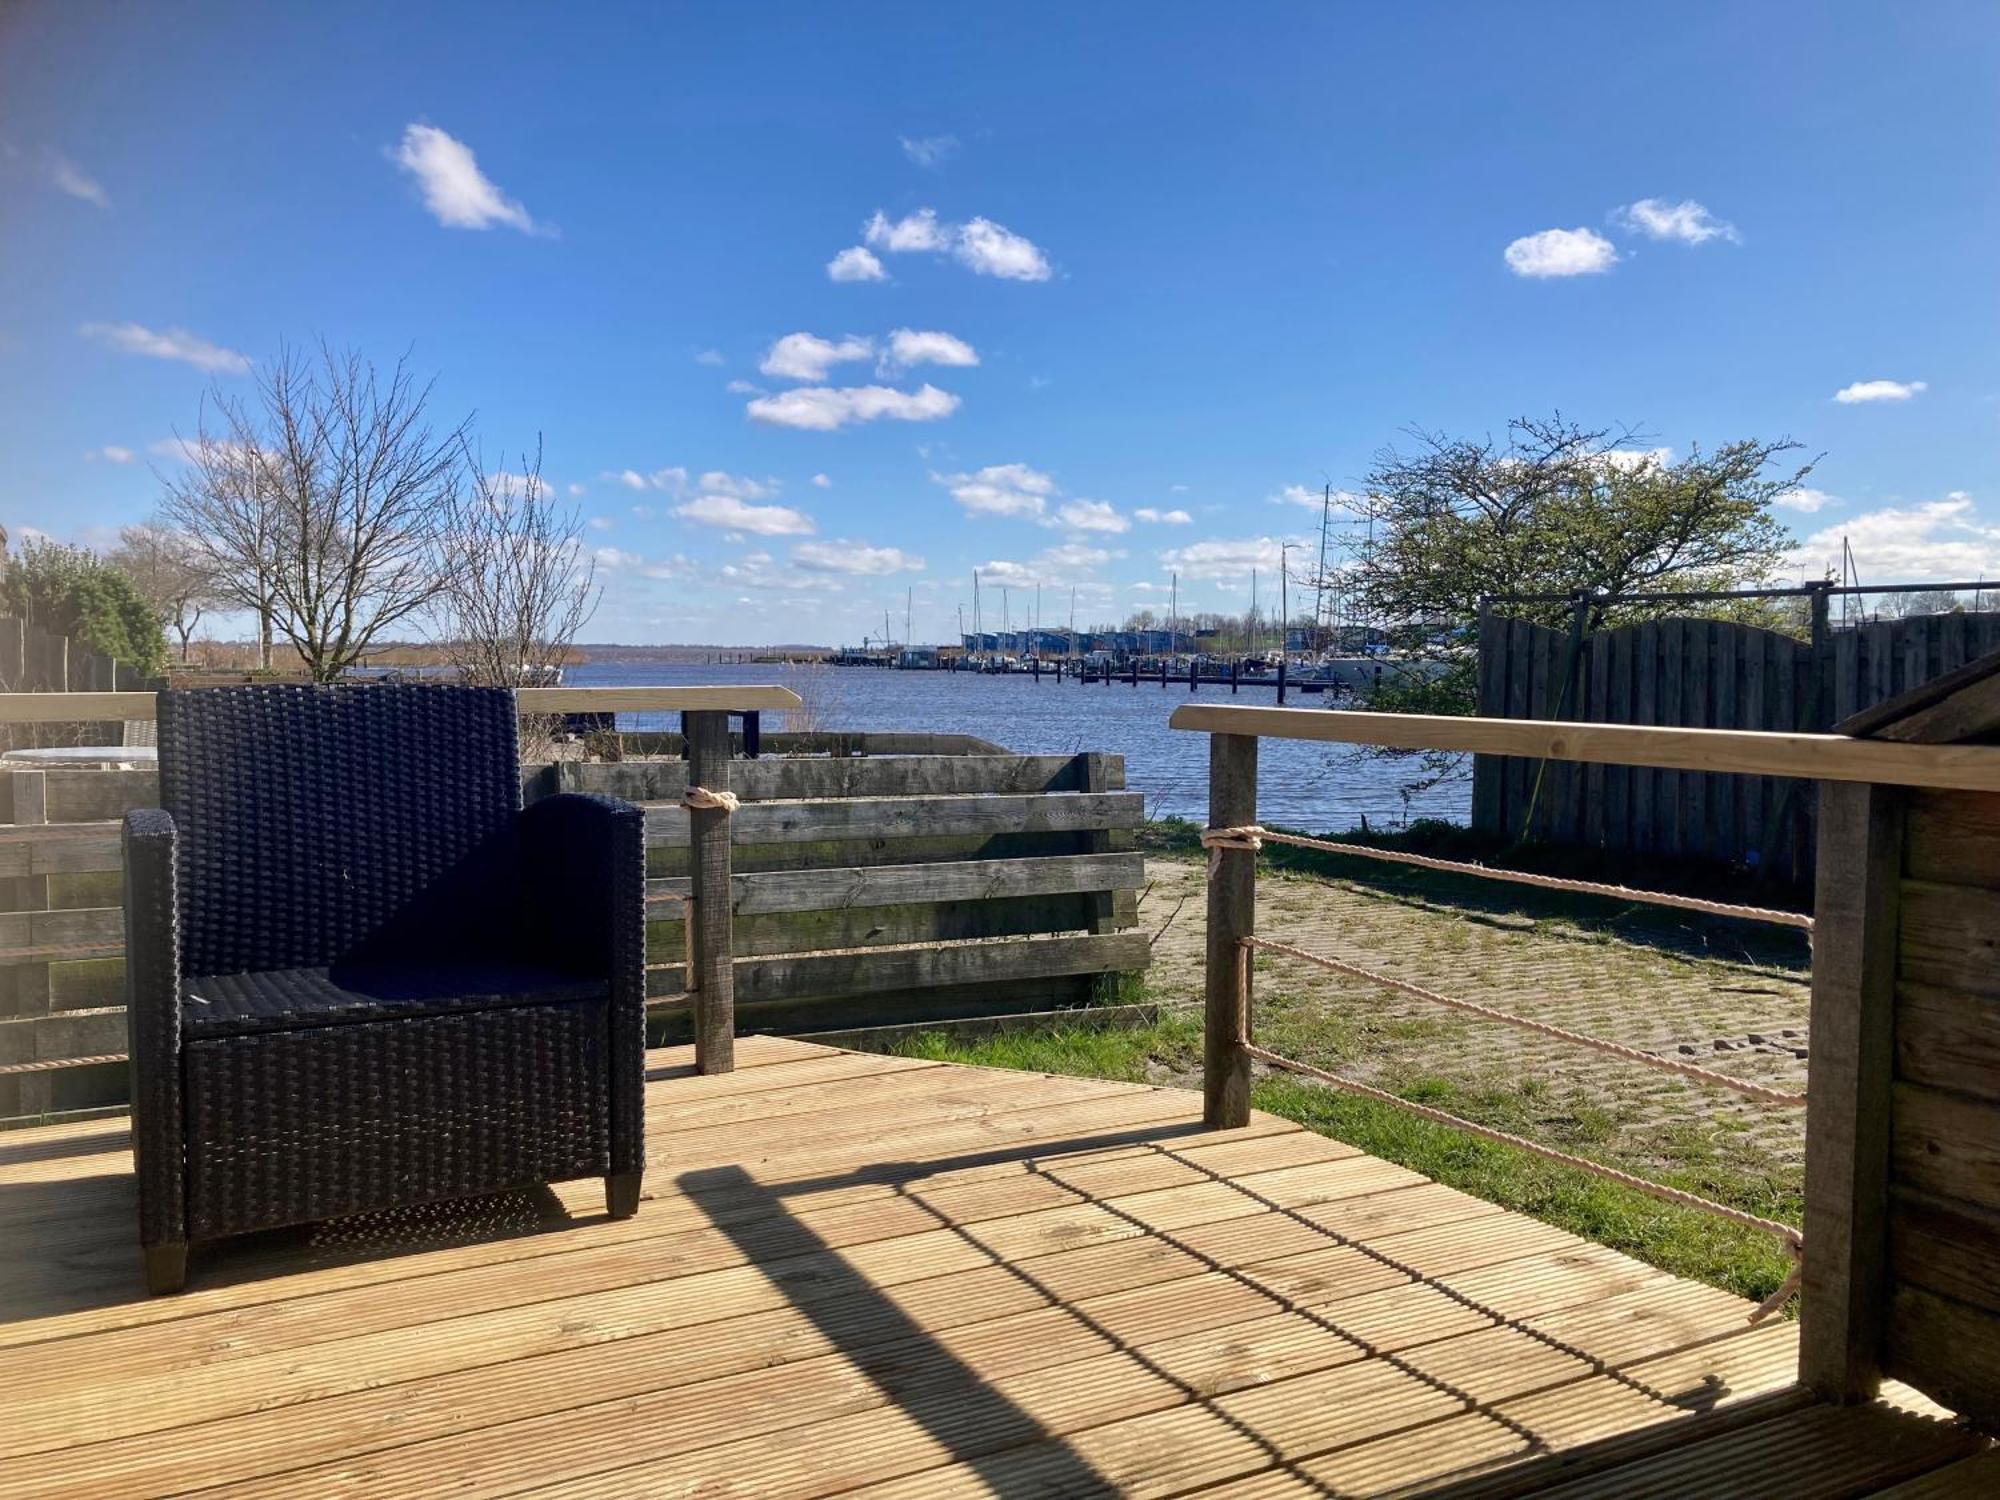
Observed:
{"x":714,"y":979}
{"x":1843,"y":1300}
{"x":1232,"y":914}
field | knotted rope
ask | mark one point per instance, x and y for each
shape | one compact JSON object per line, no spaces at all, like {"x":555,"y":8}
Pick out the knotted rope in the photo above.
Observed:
{"x":1252,"y":836}
{"x":701,"y":799}
{"x":1245,"y":836}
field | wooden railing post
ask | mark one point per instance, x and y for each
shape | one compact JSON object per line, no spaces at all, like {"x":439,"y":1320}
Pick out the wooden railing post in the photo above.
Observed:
{"x":709,"y":922}
{"x":1232,"y":915}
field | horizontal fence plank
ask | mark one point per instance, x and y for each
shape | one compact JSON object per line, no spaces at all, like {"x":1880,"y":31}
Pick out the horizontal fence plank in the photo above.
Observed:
{"x":1824,"y":757}
{"x":832,"y":976}
{"x":1949,"y":937}
{"x":1946,"y":1145}
{"x":1945,"y":1247}
{"x":60,"y":849}
{"x":1947,"y":1039}
{"x":1948,"y":1349}
{"x":863,"y":776}
{"x":756,"y":894}
{"x":884,"y":926}
{"x":910,"y":817}
{"x":66,"y":1034}
{"x":1953,"y":838}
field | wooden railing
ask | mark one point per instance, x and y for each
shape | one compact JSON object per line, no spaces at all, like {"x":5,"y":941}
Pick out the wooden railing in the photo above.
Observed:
{"x":1900,"y":1272}
{"x":872,"y":878}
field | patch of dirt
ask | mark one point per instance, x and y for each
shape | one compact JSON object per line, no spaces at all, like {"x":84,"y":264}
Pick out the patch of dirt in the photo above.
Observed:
{"x":1734,"y":1000}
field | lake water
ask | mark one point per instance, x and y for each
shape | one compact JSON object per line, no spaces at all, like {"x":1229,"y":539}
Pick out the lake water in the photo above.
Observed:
{"x":1317,"y":786}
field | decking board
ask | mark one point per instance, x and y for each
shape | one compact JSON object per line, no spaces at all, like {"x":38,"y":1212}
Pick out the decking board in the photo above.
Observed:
{"x":895,"y":1277}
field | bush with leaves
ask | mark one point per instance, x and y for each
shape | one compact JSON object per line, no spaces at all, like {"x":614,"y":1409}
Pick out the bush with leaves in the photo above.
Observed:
{"x":71,"y":591}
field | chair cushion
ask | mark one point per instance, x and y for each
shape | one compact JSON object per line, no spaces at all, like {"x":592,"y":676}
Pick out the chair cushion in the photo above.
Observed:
{"x":289,"y":999}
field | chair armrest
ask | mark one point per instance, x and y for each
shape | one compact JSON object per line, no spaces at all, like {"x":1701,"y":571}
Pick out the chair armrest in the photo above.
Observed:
{"x":153,"y":1021}
{"x":584,"y":885}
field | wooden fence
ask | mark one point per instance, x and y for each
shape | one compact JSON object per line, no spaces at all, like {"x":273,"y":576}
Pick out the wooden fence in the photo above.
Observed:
{"x":1712,"y":674}
{"x":867,"y":889}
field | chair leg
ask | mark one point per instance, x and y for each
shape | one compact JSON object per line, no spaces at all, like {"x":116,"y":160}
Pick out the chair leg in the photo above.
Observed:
{"x":621,"y":1194}
{"x":166,"y":1267}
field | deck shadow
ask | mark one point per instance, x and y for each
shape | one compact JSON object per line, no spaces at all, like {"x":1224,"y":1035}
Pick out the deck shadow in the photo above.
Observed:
{"x":974,"y":1422}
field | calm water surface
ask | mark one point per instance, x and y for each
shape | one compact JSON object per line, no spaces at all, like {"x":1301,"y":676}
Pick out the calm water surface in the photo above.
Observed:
{"x":1323,"y":787}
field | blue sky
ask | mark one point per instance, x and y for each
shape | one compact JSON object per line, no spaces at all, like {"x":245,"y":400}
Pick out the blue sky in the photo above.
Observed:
{"x":1200,"y":255}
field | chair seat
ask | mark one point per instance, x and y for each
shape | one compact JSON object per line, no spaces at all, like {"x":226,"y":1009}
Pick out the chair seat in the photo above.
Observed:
{"x":221,"y":1005}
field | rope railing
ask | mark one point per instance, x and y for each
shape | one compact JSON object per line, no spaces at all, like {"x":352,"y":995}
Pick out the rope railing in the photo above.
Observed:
{"x":1254,"y":836}
{"x":1793,"y":1241}
{"x":1251,"y":837}
{"x":1758,"y":1091}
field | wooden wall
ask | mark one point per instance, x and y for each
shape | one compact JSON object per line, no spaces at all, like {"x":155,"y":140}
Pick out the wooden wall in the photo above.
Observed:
{"x":1943,"y":1209}
{"x":868,"y":889}
{"x":1697,"y":674}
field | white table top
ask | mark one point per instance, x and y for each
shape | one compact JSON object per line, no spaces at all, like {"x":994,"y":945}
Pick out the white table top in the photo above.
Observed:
{"x":83,"y":755}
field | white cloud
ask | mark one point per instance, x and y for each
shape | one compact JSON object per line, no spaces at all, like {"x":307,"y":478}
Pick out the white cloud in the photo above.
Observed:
{"x":1561,"y":252}
{"x":632,"y":479}
{"x":513,"y":485}
{"x":1878,"y":390}
{"x":111,"y":453}
{"x":188,"y":450}
{"x":168,"y":343}
{"x":728,"y":513}
{"x":820,"y":481}
{"x":1091,"y":515}
{"x":1155,"y":517}
{"x":67,"y":177}
{"x":823,"y":408}
{"x":614,"y":559}
{"x":854,"y":558}
{"x":1070,"y":563}
{"x":679,"y":481}
{"x":995,"y":250}
{"x":744,"y":388}
{"x":855,"y":263}
{"x":1940,"y":540}
{"x":1687,"y":222}
{"x":575,"y":490}
{"x":1803,"y":499}
{"x":1224,"y":561}
{"x":910,"y":346}
{"x":709,"y":357}
{"x":929,"y":150}
{"x":980,"y":245}
{"x":1001,"y":490}
{"x":803,"y":356}
{"x":1632,"y":460}
{"x":457,"y":193}
{"x":917,"y":231}
{"x":601,"y":523}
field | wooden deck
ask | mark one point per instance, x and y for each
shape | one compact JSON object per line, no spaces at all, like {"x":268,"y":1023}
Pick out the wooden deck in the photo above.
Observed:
{"x":860,"y":1273}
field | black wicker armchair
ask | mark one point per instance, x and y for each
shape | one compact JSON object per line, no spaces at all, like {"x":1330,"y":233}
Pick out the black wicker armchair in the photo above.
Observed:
{"x":359,"y":975}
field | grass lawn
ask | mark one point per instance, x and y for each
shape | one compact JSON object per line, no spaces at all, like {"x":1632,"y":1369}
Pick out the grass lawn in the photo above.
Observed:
{"x":1682,"y":1241}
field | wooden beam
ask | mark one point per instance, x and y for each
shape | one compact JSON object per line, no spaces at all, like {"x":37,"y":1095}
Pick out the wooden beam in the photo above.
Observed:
{"x":710,"y":920}
{"x":898,"y":885}
{"x":1823,"y":757}
{"x":69,"y":708}
{"x":1232,"y":915}
{"x":912,"y":817}
{"x":1842,"y":1304}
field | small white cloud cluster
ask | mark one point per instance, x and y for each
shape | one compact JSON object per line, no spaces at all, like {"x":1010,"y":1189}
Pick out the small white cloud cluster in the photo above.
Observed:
{"x":979,"y":244}
{"x":1864,"y":391}
{"x":1584,"y":252}
{"x":1153,"y":516}
{"x":1027,"y":494}
{"x":929,"y":150}
{"x":822,"y":408}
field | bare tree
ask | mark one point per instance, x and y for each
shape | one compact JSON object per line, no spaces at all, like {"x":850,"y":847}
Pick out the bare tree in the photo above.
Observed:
{"x":328,"y":488}
{"x":171,"y":574}
{"x":222,"y":505}
{"x":515,"y":583}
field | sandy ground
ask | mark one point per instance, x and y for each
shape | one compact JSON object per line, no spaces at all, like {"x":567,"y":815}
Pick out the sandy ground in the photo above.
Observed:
{"x":1730,"y":996}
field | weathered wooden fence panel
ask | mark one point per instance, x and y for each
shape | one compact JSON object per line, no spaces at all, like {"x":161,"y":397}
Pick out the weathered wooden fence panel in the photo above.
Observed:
{"x":1699,"y":673}
{"x":868,"y":889}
